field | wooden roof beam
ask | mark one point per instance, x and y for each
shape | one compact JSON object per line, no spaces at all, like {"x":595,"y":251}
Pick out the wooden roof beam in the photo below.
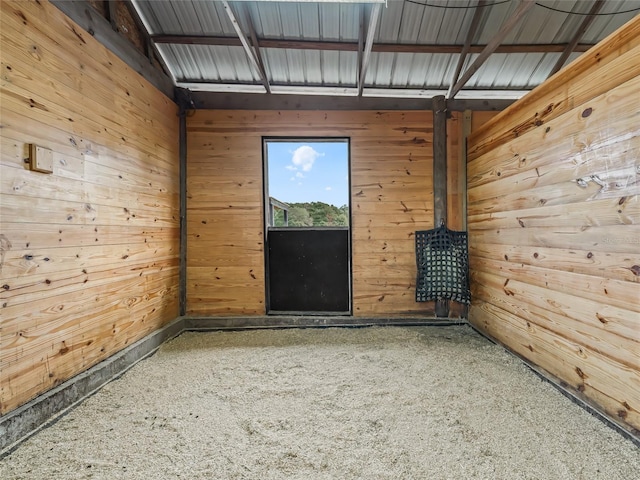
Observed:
{"x":518,"y":14}
{"x":256,"y":48}
{"x":366,"y":53}
{"x":471,"y":33}
{"x":360,"y":44}
{"x":251,"y":54}
{"x":588,"y":20}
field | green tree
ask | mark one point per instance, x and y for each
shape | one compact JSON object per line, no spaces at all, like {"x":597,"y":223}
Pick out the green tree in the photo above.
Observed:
{"x":317,"y":214}
{"x":299,"y":216}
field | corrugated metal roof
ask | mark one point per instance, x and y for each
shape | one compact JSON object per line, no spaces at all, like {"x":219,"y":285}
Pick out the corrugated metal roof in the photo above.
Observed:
{"x":308,"y":21}
{"x":403,"y":22}
{"x":201,"y":63}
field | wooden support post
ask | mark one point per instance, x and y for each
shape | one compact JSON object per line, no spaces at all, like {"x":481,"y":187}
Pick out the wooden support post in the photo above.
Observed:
{"x":184,"y":106}
{"x":439,"y":106}
{"x":462,"y":181}
{"x":467,"y":117}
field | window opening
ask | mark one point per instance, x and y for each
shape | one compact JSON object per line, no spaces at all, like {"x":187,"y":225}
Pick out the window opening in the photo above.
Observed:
{"x":307,"y":182}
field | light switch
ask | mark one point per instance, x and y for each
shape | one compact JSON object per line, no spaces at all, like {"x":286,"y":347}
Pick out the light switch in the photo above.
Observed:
{"x":40,"y":159}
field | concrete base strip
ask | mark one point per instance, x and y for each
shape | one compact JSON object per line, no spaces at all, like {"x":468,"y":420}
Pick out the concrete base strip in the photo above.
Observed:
{"x":21,"y":423}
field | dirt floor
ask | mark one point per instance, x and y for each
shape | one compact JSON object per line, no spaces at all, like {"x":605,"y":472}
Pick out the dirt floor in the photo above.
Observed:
{"x":367,"y":403}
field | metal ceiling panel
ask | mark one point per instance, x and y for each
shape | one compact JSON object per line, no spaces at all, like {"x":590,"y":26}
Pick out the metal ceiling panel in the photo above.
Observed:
{"x":186,"y":17}
{"x":605,"y":25}
{"x":422,"y":22}
{"x":209,"y":63}
{"x":306,"y":21}
{"x":307,"y":67}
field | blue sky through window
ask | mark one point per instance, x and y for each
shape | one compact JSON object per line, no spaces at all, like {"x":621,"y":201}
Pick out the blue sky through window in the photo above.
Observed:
{"x":309,"y":171}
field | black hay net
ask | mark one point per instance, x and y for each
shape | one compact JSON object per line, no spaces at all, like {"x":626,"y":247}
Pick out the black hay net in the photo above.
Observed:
{"x":443,"y":265}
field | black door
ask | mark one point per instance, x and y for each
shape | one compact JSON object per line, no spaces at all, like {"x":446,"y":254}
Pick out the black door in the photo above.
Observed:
{"x":308,"y":270}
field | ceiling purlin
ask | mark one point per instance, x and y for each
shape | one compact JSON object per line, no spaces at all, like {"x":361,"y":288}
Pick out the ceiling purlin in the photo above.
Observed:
{"x":354,"y":47}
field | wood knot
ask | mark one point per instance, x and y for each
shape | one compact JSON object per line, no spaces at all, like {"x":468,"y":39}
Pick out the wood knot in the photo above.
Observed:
{"x":622,"y":414}
{"x":635,"y":270}
{"x":587,"y":112}
{"x":535,"y":254}
{"x":589,"y":255}
{"x":580,"y":373}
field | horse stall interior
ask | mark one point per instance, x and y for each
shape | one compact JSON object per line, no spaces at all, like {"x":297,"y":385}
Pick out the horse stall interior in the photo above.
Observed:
{"x":129,"y":218}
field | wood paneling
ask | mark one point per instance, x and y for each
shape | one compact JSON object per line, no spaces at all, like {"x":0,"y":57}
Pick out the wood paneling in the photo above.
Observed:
{"x":89,"y":253}
{"x":391,"y":198}
{"x":608,"y":65}
{"x":554,"y":223}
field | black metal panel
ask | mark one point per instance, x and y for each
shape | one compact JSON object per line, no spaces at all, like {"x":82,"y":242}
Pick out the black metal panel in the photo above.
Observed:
{"x":308,"y":270}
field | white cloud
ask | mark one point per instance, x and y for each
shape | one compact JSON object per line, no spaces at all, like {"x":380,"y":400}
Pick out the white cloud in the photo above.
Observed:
{"x":293,"y":179}
{"x":290,"y":167}
{"x":299,"y":175}
{"x":328,"y":189}
{"x":304,"y":156}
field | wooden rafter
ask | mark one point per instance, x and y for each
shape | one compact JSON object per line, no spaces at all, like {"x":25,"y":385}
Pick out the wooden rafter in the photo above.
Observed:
{"x":571,"y":47}
{"x":471,"y":33}
{"x":256,"y":48}
{"x":245,"y":44}
{"x":360,"y":44}
{"x":354,"y":46}
{"x":366,"y":54}
{"x":518,"y":14}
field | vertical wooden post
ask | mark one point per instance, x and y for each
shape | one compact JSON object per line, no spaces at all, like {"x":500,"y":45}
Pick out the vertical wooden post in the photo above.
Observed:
{"x":183,"y":105}
{"x":462,"y":181}
{"x":439,"y":107}
{"x":462,"y":185}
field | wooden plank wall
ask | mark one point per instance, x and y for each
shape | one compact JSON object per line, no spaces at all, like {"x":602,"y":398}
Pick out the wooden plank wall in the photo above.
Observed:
{"x":89,"y":254}
{"x":391,"y":195}
{"x":554,"y":221}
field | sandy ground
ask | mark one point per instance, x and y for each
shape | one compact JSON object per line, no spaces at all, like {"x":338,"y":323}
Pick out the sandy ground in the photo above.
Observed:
{"x":368,"y":403}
